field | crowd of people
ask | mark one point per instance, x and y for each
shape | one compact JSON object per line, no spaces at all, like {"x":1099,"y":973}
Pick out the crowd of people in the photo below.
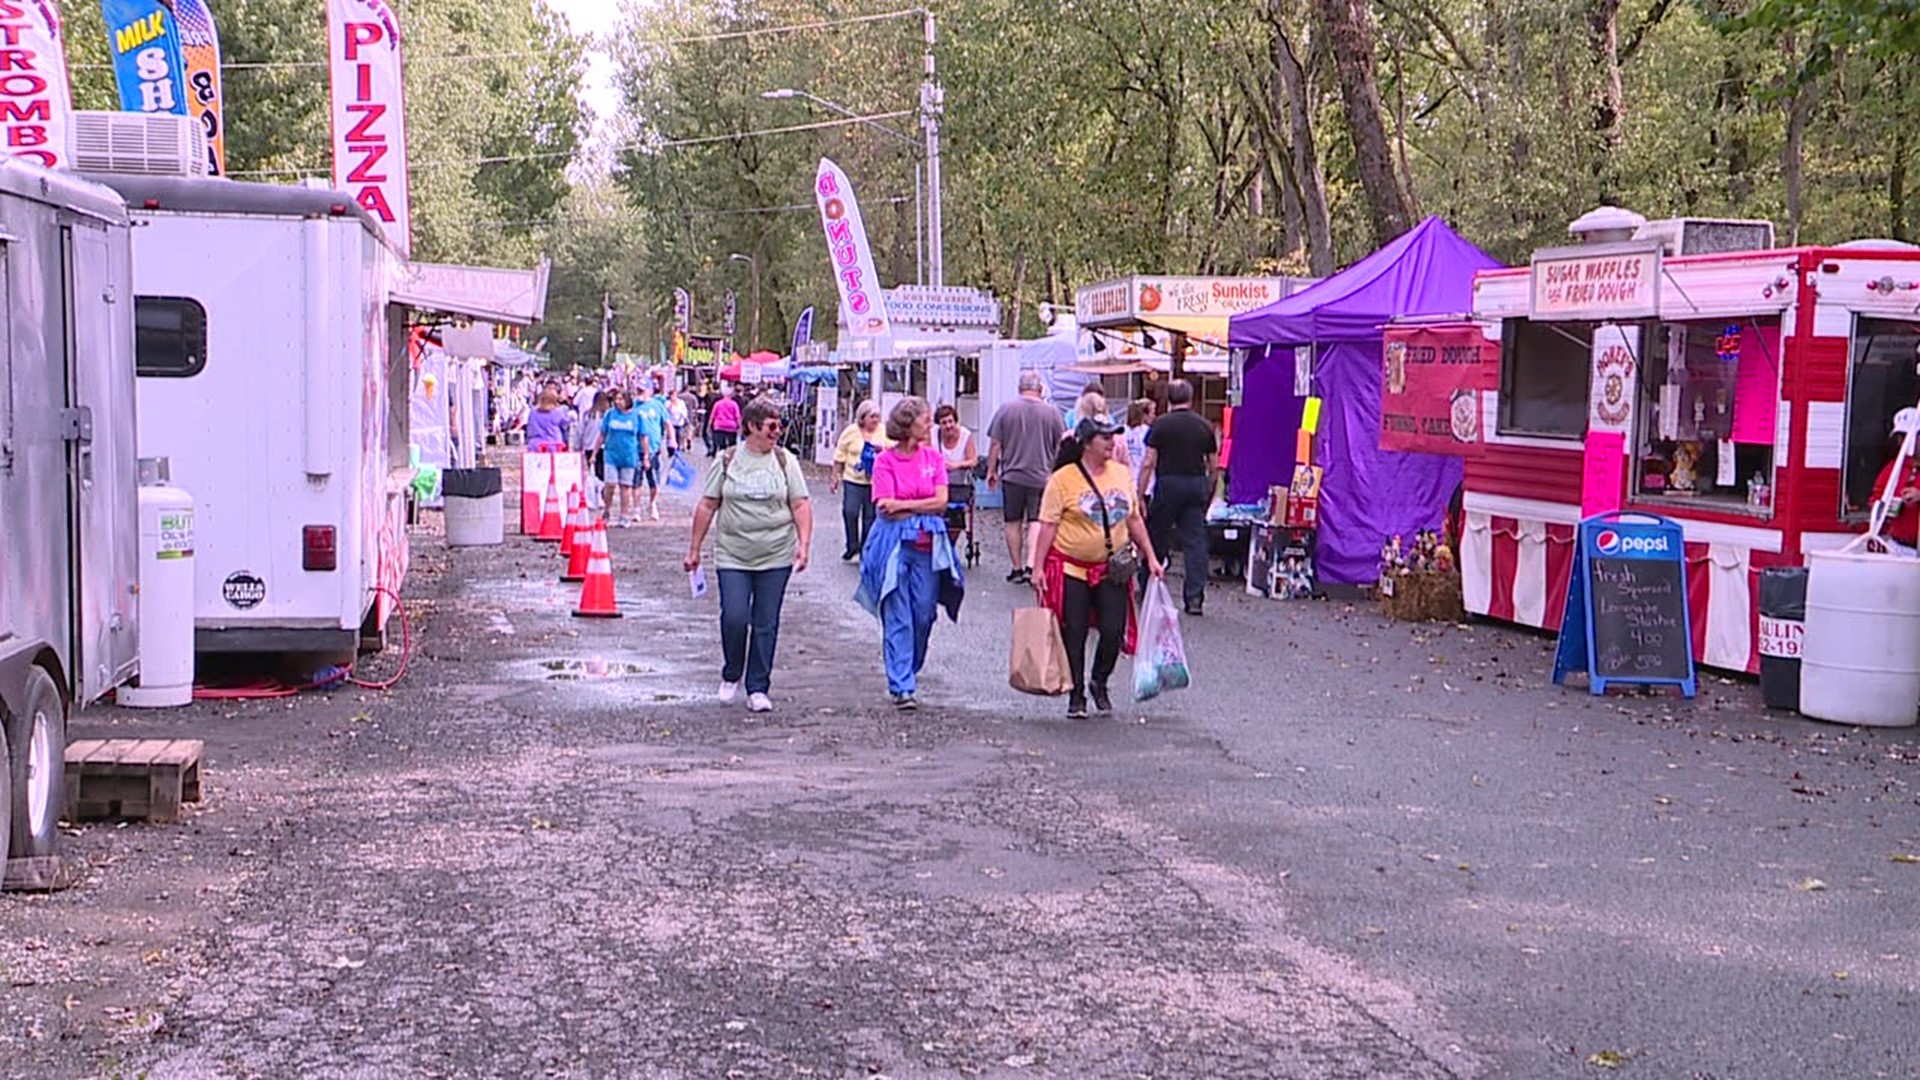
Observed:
{"x":1087,"y":509}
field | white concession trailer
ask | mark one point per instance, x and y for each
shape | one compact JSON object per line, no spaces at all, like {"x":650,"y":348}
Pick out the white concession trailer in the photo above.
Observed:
{"x":273,"y":372}
{"x":68,"y":529}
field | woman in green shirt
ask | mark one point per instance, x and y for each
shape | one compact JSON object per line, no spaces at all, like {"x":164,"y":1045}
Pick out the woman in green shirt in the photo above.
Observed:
{"x":756,"y":504}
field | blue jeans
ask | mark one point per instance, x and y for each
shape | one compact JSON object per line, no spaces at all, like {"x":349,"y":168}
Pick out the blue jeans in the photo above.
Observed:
{"x":856,"y":513}
{"x":906,"y":619}
{"x":750,"y":624}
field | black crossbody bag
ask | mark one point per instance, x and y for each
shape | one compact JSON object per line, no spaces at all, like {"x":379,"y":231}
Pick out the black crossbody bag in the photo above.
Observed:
{"x":1122,"y":562}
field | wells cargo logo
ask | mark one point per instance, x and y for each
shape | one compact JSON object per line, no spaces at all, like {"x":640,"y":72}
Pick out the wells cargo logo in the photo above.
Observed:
{"x":1609,"y":542}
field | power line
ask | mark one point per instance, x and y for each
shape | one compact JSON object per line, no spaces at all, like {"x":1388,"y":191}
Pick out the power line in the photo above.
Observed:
{"x":663,"y":144}
{"x":691,"y":39}
{"x":692,"y":211}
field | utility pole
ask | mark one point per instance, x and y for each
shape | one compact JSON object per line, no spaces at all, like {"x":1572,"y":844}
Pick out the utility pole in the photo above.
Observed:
{"x":932,"y":101}
{"x":606,"y":326}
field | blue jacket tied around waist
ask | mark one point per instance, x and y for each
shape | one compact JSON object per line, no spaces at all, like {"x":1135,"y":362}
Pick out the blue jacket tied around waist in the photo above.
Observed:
{"x":880,"y":562}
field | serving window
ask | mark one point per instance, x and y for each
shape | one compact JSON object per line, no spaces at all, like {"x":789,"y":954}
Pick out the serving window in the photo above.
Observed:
{"x":1709,"y":396}
{"x":1545,"y":376}
{"x":1881,"y":380}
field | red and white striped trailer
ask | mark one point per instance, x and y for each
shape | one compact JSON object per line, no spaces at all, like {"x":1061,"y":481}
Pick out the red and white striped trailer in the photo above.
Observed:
{"x":1755,"y":391}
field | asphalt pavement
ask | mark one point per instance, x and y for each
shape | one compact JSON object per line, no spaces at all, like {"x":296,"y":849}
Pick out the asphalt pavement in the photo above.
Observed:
{"x":1355,"y":848}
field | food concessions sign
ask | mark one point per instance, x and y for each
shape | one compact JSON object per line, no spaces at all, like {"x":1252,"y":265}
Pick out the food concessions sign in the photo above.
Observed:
{"x":1432,"y":381}
{"x":1140,"y":299}
{"x":369,"y":113}
{"x":36,"y":104}
{"x":1598,"y":282}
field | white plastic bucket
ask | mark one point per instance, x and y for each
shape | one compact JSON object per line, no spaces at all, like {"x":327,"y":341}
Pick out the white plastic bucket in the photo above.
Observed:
{"x":1860,"y":660}
{"x":475,"y":522}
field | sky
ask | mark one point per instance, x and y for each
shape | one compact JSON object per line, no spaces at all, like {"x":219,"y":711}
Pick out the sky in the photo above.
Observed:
{"x":596,"y":17}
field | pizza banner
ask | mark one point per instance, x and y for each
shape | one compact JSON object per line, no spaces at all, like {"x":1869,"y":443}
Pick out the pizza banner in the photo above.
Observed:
{"x":1433,"y":381}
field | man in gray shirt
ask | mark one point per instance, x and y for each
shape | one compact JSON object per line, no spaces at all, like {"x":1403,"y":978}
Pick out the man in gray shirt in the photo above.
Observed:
{"x":1025,"y":434}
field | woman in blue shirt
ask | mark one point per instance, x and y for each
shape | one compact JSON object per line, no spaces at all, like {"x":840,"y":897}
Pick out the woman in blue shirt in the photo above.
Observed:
{"x":621,"y":426}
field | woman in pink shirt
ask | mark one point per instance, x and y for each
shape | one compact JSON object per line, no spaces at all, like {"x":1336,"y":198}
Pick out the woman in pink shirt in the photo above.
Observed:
{"x":723,"y":427}
{"x":910,"y":491}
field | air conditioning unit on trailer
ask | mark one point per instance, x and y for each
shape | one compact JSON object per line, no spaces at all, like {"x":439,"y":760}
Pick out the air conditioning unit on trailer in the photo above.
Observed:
{"x":138,"y":144}
{"x":1707,"y":236}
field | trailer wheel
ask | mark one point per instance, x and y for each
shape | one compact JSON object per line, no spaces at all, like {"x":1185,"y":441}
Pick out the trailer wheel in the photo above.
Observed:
{"x":6,"y":796}
{"x":38,"y":738}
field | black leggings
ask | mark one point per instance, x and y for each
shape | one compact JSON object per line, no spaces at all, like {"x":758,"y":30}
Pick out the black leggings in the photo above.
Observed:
{"x":1086,"y":609}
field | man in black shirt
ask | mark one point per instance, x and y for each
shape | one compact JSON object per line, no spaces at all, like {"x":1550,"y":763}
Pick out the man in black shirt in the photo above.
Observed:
{"x":1179,"y":470}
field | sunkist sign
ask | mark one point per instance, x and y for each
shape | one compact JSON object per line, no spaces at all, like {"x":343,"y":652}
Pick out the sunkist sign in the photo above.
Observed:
{"x":862,"y":307}
{"x":1140,"y":298}
{"x":369,"y":113}
{"x":36,"y":102}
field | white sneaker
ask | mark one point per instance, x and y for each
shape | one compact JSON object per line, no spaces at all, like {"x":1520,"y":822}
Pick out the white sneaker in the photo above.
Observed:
{"x":654,"y":511}
{"x":759,"y":703}
{"x":728,"y":692}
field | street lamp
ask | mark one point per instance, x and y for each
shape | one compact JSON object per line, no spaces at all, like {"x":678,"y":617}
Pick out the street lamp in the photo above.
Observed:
{"x":754,"y":265}
{"x":919,"y":200}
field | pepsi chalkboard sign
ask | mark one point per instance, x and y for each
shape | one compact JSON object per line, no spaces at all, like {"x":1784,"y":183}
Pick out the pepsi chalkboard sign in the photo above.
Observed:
{"x":1626,"y":619}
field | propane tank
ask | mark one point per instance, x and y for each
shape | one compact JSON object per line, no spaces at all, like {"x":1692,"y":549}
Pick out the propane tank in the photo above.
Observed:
{"x":166,"y":592}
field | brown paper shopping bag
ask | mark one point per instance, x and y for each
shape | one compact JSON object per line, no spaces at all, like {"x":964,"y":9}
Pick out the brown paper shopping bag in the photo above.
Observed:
{"x":1039,"y":661}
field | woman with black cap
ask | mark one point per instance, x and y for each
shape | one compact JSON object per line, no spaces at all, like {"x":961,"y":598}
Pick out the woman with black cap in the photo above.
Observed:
{"x":1093,"y":540}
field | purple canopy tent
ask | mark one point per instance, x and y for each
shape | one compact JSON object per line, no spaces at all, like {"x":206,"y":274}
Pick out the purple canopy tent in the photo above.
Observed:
{"x":1369,"y":494}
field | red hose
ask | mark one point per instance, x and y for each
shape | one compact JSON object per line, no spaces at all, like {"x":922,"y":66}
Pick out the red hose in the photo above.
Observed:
{"x":272,"y":689}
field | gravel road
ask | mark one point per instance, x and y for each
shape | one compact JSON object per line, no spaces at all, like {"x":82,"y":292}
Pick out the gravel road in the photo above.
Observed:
{"x":1356,"y":848}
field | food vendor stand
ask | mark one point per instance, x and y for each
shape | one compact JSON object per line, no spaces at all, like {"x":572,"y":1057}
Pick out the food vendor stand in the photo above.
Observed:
{"x":1747,"y":394}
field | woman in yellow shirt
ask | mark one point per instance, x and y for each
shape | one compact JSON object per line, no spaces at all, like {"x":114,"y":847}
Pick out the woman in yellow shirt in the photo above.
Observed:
{"x":852,"y":477}
{"x":1088,"y":513}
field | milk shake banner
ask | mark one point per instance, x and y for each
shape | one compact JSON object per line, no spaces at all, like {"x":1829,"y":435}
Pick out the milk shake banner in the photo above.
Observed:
{"x":369,"y":113}
{"x":147,"y":65}
{"x":36,"y":101}
{"x":200,"y":48}
{"x":847,"y":249}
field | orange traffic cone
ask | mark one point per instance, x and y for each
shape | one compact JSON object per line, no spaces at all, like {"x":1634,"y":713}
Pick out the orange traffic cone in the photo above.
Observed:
{"x":573,"y":522}
{"x":582,"y":553}
{"x":596,"y":596}
{"x":550,"y":525}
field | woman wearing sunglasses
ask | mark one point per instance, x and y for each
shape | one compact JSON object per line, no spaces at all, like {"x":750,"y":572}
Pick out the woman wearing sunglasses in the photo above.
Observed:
{"x":755,"y":502}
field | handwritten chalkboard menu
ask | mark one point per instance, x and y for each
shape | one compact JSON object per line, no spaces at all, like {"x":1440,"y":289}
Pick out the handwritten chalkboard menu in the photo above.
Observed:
{"x":1626,"y":619}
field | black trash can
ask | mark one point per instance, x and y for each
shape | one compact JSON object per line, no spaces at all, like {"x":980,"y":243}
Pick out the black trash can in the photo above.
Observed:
{"x":1783,"y":621}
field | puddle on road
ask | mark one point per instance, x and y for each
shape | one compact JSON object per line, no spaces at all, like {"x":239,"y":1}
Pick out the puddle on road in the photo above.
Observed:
{"x":593,"y":670}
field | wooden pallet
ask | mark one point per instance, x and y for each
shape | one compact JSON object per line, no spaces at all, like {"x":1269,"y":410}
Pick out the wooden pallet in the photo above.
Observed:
{"x":135,"y":779}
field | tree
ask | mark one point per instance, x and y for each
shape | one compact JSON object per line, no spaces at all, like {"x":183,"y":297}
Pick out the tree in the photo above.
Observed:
{"x":1350,"y":35}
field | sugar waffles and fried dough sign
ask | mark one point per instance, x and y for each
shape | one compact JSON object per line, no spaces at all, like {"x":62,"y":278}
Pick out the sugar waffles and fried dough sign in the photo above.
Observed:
{"x":1599,"y":282}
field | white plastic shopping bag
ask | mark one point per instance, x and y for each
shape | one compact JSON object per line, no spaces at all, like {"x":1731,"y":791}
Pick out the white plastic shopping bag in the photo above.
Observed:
{"x":1159,"y":656}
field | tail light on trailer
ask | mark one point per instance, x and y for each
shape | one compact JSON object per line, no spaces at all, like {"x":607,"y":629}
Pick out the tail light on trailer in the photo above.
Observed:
{"x":318,"y":548}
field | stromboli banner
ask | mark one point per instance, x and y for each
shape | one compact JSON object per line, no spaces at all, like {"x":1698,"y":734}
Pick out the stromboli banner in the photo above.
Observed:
{"x":147,"y":64}
{"x":200,"y":49}
{"x":36,"y":100}
{"x":847,"y":249}
{"x":369,"y":113}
